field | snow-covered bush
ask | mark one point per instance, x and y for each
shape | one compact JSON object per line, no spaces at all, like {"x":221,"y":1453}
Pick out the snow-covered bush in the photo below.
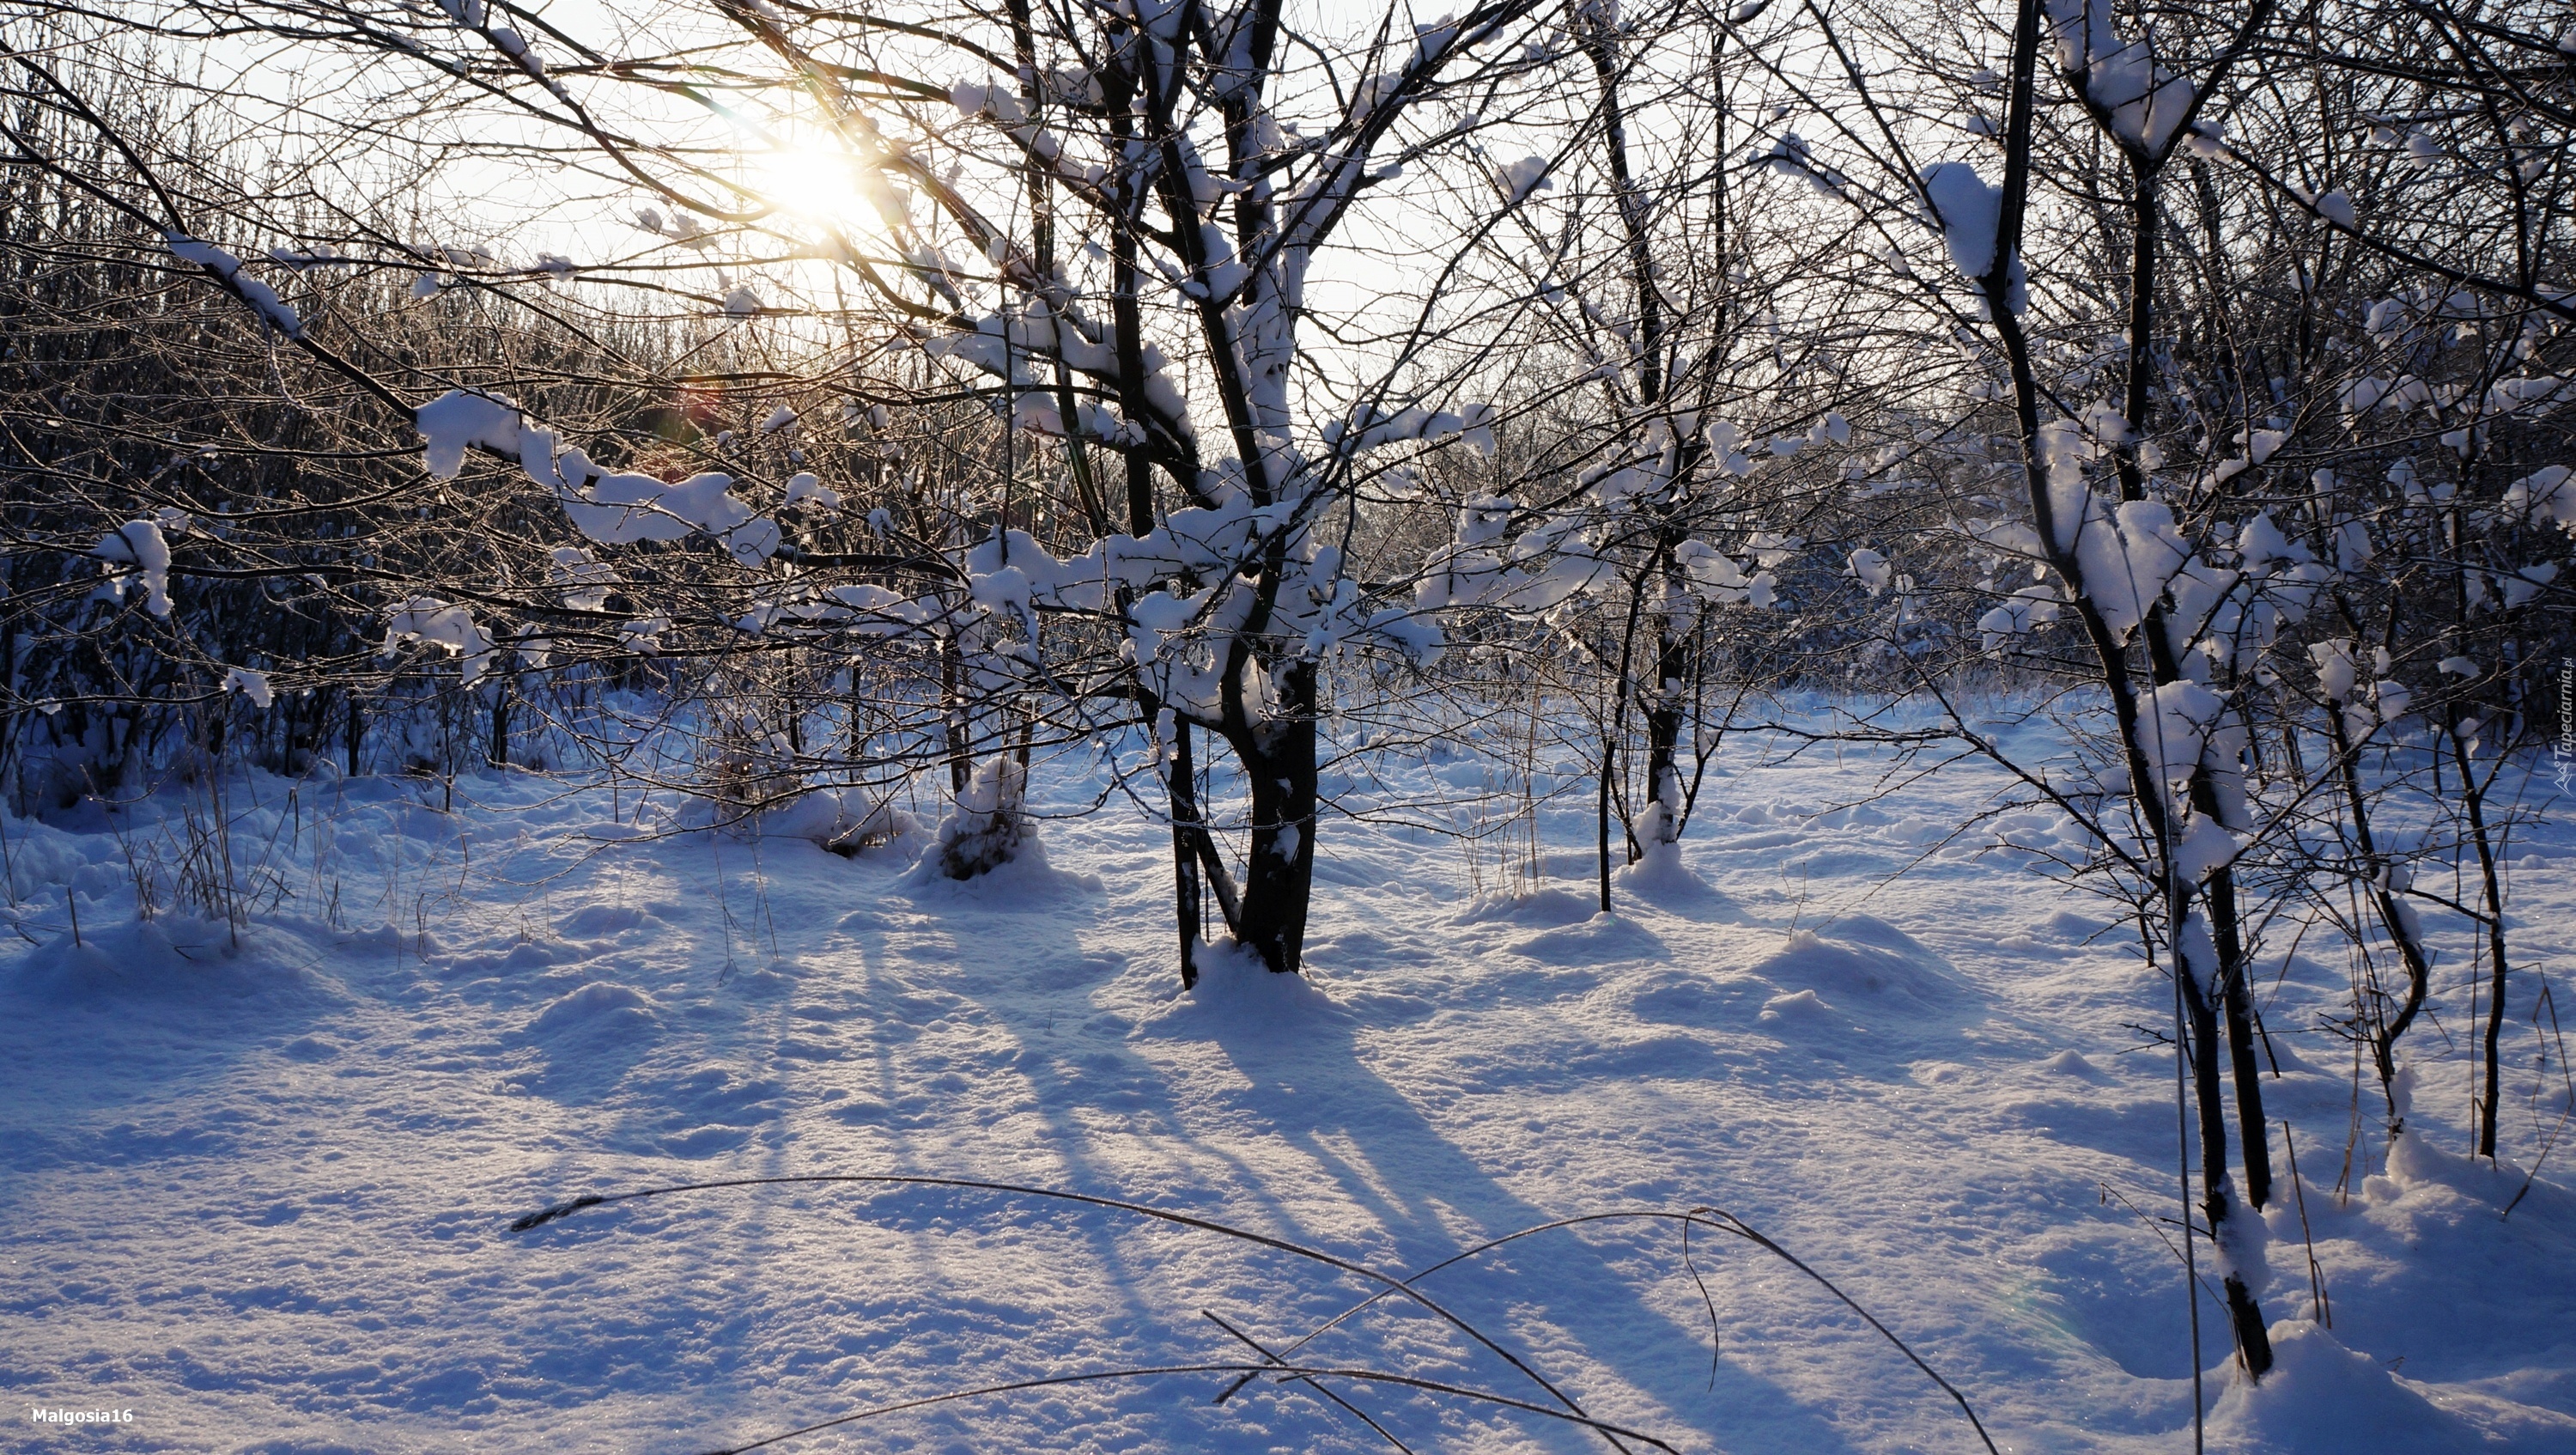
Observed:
{"x":989,"y":824}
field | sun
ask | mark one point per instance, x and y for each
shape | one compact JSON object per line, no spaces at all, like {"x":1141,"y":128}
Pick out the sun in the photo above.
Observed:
{"x":823,"y":184}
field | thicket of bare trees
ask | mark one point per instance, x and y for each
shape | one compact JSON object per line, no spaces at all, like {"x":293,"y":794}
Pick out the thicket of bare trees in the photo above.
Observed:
{"x":880,"y":400}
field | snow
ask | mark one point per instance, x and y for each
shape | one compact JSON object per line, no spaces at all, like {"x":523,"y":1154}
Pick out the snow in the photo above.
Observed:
{"x":2334,"y":667}
{"x":1967,"y":210}
{"x":458,"y":421}
{"x":429,"y":620}
{"x":140,"y":545}
{"x":2324,"y":1395}
{"x":273,"y":310}
{"x":262,"y":1177}
{"x":2525,"y":583}
{"x":2177,"y":724}
{"x":2543,"y":496}
{"x":1521,"y":178}
{"x":2024,"y":611}
{"x":588,"y":578}
{"x":251,"y":685}
{"x":806,"y":485}
{"x":2145,"y":101}
{"x":1871,"y":569}
{"x":618,"y":508}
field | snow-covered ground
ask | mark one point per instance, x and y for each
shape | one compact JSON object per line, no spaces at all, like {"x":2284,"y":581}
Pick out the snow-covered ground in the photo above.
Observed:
{"x":260,"y":1196}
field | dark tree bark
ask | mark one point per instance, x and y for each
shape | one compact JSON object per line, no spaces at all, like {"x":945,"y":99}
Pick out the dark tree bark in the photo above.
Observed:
{"x":1279,"y":766}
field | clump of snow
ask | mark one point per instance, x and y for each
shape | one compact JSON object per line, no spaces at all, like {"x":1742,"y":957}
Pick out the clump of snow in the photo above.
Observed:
{"x":1720,"y":578}
{"x":1796,"y":1005}
{"x":1473,"y":424}
{"x":251,"y":685}
{"x":1866,"y":962}
{"x":1872,"y":571}
{"x":600,"y":1005}
{"x":2333,"y":658}
{"x":848,"y":821}
{"x":1967,"y":210}
{"x":2177,"y":724}
{"x":1542,"y":907}
{"x":2145,"y":101}
{"x":585,"y":578}
{"x":138,"y":544}
{"x":2525,"y":583}
{"x":173,"y":960}
{"x":1521,"y":178}
{"x":618,"y":508}
{"x":2025,"y":611}
{"x":2546,"y":494}
{"x":263,"y":299}
{"x":2127,"y":554}
{"x":1660,"y":878}
{"x":428,"y":619}
{"x":805,"y":485}
{"x":458,"y":421}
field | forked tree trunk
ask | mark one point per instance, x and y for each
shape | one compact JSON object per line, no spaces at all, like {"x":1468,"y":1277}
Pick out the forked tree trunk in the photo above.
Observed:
{"x":1279,"y":767}
{"x":2165,"y":667}
{"x":2111,"y":658}
{"x":2491,"y":883}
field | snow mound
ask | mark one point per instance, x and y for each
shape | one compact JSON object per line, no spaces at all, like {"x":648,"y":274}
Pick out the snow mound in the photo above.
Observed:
{"x":1237,"y":992}
{"x":1545,"y":909}
{"x":170,"y":960}
{"x":1023,"y":881}
{"x":1795,"y":1006}
{"x":599,"y":921}
{"x":1682,"y":997}
{"x":2324,"y":1399}
{"x":845,"y":820}
{"x":1598,"y":940}
{"x":1662,"y":880}
{"x":1867,"y":962}
{"x":598,"y":1005}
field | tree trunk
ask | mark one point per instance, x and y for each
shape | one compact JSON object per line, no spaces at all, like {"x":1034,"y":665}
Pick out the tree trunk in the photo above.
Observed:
{"x":2392,"y":913}
{"x":498,"y":755}
{"x":2218,"y":1193}
{"x":961,"y":759}
{"x":356,"y":732}
{"x":2165,"y":667}
{"x":1666,"y":715}
{"x":2490,"y":1040}
{"x":1186,"y":903}
{"x":1279,"y":877}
